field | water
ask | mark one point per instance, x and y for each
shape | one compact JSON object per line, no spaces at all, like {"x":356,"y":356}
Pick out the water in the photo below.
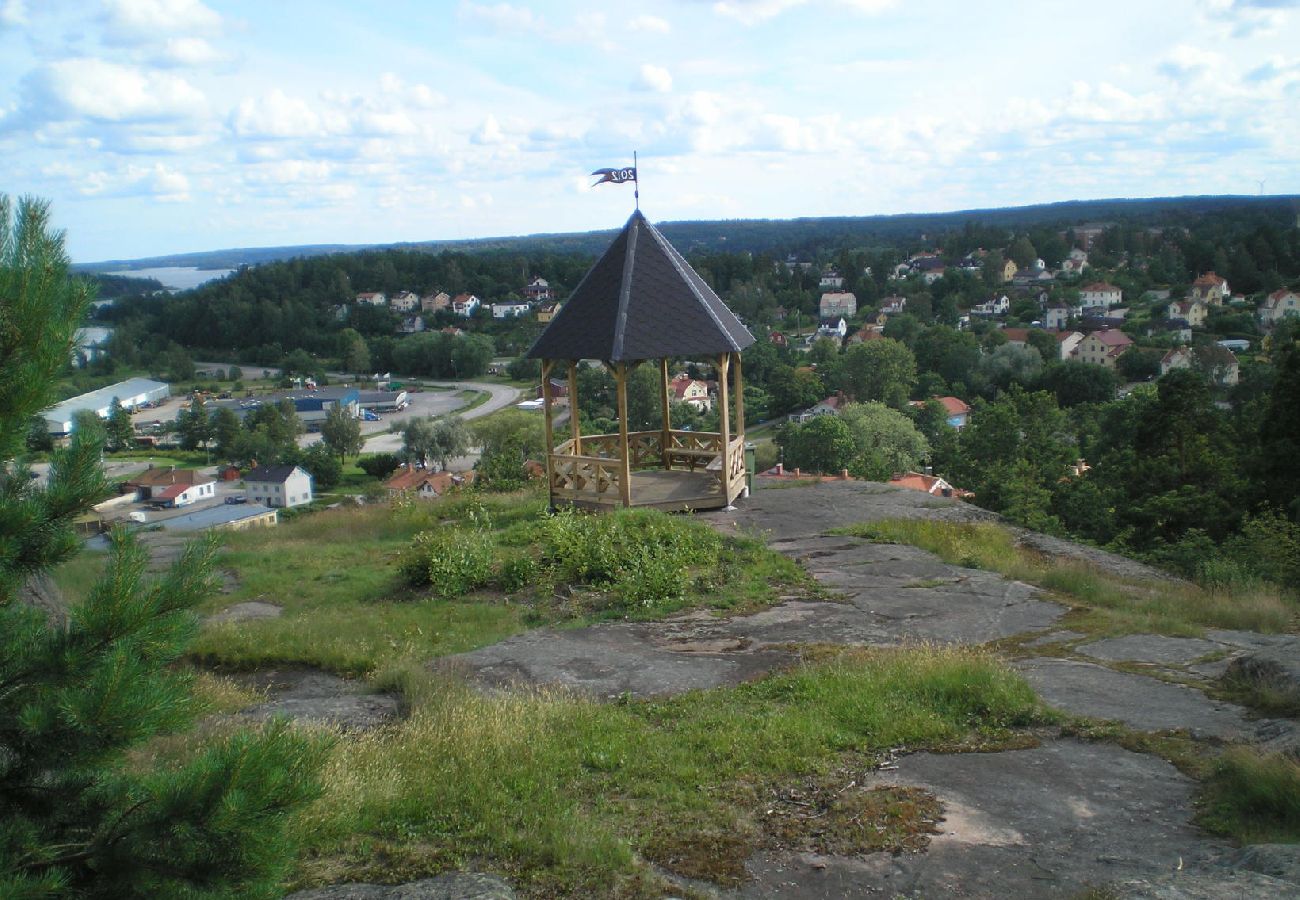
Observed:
{"x":178,"y":278}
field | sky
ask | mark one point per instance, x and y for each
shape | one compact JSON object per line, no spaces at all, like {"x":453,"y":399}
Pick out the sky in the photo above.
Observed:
{"x":167,"y":126}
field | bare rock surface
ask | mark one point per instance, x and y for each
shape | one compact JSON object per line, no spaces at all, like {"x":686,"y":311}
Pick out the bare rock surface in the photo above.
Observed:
{"x":1151,"y":648}
{"x":454,"y":886}
{"x":1275,"y":668}
{"x":1138,"y":701}
{"x":1046,"y":822}
{"x":318,"y":698}
{"x":891,"y":595}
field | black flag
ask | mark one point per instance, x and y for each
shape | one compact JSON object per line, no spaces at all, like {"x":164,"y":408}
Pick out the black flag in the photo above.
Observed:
{"x":615,"y":176}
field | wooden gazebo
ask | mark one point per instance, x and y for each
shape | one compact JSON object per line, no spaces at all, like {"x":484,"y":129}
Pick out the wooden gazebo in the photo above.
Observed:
{"x":643,"y":303}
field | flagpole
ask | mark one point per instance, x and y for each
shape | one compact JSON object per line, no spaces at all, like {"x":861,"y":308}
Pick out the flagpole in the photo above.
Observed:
{"x":636,"y":183}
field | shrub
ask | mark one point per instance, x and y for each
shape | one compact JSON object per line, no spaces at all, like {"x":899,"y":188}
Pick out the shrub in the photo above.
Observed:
{"x":518,"y":572}
{"x":453,"y":561}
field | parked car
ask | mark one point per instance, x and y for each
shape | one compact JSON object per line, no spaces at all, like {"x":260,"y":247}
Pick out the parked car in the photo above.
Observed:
{"x":234,"y":499}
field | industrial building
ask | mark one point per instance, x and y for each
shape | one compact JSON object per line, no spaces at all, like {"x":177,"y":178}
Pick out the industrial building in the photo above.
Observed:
{"x":132,"y":393}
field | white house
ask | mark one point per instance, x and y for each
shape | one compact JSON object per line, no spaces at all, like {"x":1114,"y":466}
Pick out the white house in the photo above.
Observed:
{"x":538,"y":290}
{"x":1100,"y":293}
{"x":373,"y":298}
{"x":405,"y":301}
{"x":838,"y":303}
{"x":1278,"y":305}
{"x":892,"y":306}
{"x":998,"y":306}
{"x":833,"y":327}
{"x":282,"y":486}
{"x":510,"y":309}
{"x":184,"y":494}
{"x":831,"y":280}
{"x":465,"y":304}
{"x":1056,"y":316}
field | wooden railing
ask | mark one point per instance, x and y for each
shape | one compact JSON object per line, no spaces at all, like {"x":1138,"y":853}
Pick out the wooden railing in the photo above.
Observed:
{"x":594,"y":474}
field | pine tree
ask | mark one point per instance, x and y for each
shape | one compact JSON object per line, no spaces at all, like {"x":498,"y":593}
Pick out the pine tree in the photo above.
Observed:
{"x":75,"y":819}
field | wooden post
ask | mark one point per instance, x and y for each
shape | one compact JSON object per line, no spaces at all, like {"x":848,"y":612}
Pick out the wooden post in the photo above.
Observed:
{"x":666,"y":441}
{"x":625,"y":462}
{"x":547,"y":365}
{"x":740,"y":398}
{"x":575,"y":429}
{"x":724,"y":404}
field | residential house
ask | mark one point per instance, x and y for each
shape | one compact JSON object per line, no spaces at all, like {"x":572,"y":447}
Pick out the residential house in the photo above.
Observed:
{"x":1075,"y":263}
{"x":958,"y":410}
{"x":425,"y":484}
{"x":548,"y":311}
{"x":831,"y":280}
{"x":1218,"y":363}
{"x":1031,"y":276}
{"x":373,"y":298}
{"x":831,"y":406}
{"x":1277,"y":306}
{"x":1068,"y":342}
{"x":1177,"y":358}
{"x":1103,"y":348}
{"x":691,"y":390}
{"x":465,"y":304}
{"x":997,"y":306}
{"x":1056,"y":316}
{"x":511,"y":309}
{"x":893,"y":305}
{"x":279,"y":486}
{"x":538,"y":290}
{"x":1008,"y":270}
{"x":411,"y":324}
{"x":432,"y":303}
{"x":175,"y":495}
{"x":1019,"y":337}
{"x":930,"y":484}
{"x":867,"y":333}
{"x":404,"y":302}
{"x":1193,"y":311}
{"x":1210,"y":288}
{"x":838,"y":303}
{"x":778,"y":338}
{"x":834,"y":327}
{"x":932,"y":275}
{"x":155,"y":479}
{"x":1100,"y":293}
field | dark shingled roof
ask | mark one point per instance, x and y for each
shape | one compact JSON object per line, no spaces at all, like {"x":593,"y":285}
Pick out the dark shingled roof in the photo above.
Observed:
{"x":641,"y":300}
{"x":275,"y":474}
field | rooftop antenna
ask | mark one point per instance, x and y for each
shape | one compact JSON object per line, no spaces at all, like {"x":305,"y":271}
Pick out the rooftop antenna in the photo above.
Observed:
{"x":1261,"y":186}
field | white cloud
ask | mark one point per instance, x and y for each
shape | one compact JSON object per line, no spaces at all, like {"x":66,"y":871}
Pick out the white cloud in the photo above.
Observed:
{"x":1248,"y":18}
{"x":190,"y":51}
{"x":95,"y":89}
{"x":276,"y":115}
{"x":649,"y":25}
{"x":13,"y":13}
{"x":132,"y":21}
{"x":489,"y":132}
{"x":501,"y":16}
{"x":753,"y":12}
{"x":653,"y":78}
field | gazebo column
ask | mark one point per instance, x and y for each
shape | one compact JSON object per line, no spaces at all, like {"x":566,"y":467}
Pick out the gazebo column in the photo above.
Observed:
{"x":575,"y":427}
{"x":724,"y":417}
{"x":740,"y":396}
{"x":547,"y":366}
{"x":666,"y":441}
{"x":624,"y":456}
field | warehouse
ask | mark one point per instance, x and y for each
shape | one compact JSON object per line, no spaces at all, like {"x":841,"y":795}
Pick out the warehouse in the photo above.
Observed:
{"x":133,"y":393}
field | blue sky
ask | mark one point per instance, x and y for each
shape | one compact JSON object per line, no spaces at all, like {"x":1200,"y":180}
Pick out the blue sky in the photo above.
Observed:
{"x":161,"y":126}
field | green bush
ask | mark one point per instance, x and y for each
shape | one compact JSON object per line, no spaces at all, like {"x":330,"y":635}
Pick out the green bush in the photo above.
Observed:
{"x":453,"y":561}
{"x":643,"y":557}
{"x":518,"y":572}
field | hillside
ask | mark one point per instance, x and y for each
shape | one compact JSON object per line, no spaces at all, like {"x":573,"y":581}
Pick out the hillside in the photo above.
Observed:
{"x":759,"y":235}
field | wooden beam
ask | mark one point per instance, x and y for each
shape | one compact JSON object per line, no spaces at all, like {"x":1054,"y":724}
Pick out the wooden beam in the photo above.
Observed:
{"x":625,"y":461}
{"x":547,"y":366}
{"x":740,"y":397}
{"x":666,"y":440}
{"x":575,"y":427}
{"x":724,"y":410}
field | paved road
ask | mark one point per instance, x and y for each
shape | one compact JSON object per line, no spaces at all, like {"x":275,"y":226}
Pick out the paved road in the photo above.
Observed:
{"x":434,"y":404}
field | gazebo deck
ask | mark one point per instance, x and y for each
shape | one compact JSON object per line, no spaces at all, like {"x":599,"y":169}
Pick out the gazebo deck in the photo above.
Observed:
{"x":687,"y":476}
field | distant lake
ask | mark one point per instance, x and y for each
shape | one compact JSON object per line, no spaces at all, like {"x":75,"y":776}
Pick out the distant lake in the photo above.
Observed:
{"x":178,"y":278}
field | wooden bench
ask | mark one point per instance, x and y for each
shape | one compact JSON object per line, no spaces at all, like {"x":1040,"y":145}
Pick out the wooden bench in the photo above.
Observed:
{"x":694,"y":456}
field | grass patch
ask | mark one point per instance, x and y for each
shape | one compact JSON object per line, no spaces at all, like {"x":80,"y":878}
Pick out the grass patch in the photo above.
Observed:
{"x":1105,"y":603}
{"x":564,"y":794}
{"x":75,"y":577}
{"x":1272,"y":697}
{"x":1253,"y":797}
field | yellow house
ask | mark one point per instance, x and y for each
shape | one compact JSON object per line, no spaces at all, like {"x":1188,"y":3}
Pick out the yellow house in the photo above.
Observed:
{"x":547,"y":311}
{"x":1008,"y":270}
